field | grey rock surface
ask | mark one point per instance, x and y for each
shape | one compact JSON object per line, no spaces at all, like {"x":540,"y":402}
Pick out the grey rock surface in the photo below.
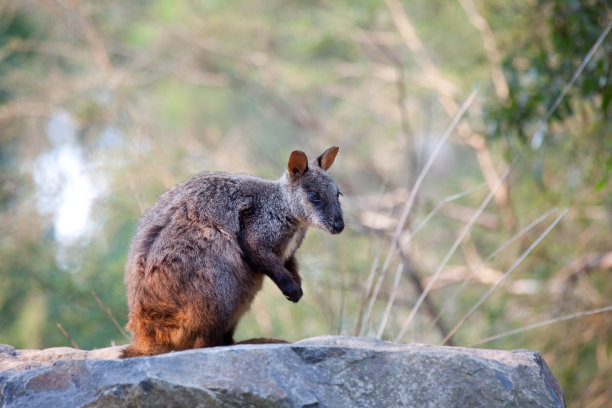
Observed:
{"x":328,"y":371}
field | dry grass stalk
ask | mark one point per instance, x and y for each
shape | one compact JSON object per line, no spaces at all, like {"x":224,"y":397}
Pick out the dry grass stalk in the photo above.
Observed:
{"x":65,"y":333}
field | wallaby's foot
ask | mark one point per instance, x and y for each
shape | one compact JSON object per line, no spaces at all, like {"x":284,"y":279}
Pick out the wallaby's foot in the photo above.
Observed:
{"x":137,"y":350}
{"x":131,"y":351}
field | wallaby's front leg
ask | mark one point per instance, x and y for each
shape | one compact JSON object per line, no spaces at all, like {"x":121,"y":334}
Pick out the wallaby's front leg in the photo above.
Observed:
{"x":264,"y":260}
{"x":292,"y":266}
{"x":269,"y":264}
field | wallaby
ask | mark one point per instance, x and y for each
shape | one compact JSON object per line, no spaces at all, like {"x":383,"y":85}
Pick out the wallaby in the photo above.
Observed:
{"x":200,"y":253}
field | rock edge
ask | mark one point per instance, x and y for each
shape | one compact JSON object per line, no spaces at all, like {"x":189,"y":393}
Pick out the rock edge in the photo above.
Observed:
{"x":327,"y":371}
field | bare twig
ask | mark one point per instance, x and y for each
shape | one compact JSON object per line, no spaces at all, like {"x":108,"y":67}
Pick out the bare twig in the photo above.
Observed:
{"x":503,"y":278}
{"x":96,"y":43}
{"x":428,"y":305}
{"x":488,"y":40}
{"x":408,"y":206}
{"x":421,"y":177}
{"x":464,"y":214}
{"x":401,"y":95}
{"x":59,"y":326}
{"x":585,"y":264}
{"x":246,"y":61}
{"x":474,"y":140}
{"x":385,"y":317}
{"x":499,"y":249}
{"x":110,"y":314}
{"x":368,"y":287}
{"x":358,"y":330}
{"x":412,"y":40}
{"x":342,"y":285}
{"x":541,"y":324}
{"x":445,"y":200}
{"x":543,"y":123}
{"x":376,"y":220}
{"x":373,"y":297}
{"x":563,"y":281}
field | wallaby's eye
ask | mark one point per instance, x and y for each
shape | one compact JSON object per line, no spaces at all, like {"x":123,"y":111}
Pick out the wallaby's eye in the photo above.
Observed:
{"x":314,"y":197}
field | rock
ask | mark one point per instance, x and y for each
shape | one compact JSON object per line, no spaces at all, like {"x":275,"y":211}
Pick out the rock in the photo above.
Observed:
{"x":326,"y":371}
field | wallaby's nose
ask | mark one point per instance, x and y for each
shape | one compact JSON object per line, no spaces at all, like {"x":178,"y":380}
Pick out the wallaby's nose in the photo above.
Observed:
{"x":338,"y":226}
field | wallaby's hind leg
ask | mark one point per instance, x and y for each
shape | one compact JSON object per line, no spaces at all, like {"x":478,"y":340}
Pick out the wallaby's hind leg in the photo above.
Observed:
{"x":146,"y":342}
{"x":227,"y":339}
{"x":208,"y":341}
{"x":157,"y":330}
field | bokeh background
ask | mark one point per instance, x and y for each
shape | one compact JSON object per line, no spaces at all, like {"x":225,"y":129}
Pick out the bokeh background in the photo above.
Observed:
{"x":105,"y":104}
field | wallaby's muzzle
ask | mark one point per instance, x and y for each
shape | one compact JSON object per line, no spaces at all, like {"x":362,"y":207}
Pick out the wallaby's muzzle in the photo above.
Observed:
{"x":338,"y":226}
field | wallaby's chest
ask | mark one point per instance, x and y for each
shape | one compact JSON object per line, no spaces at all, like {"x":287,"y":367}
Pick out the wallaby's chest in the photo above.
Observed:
{"x":293,"y":243}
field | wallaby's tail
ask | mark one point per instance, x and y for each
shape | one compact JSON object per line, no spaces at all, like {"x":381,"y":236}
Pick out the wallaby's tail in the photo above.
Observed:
{"x":261,"y":340}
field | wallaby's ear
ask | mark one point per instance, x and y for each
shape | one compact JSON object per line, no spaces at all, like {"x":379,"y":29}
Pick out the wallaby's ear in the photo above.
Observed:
{"x":298,"y":163}
{"x":327,"y":158}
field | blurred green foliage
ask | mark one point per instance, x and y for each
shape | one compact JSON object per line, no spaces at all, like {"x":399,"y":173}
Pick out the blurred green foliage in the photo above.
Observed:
{"x":104,"y":105}
{"x":539,"y":68}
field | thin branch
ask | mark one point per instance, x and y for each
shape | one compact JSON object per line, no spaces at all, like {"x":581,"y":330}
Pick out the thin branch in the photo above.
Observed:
{"x":244,"y":62}
{"x":414,"y":278}
{"x":445,"y":200}
{"x":475,"y":141}
{"x":586,"y":263}
{"x":499,"y":249}
{"x":541,"y":324}
{"x":366,"y":292}
{"x":95,"y":41}
{"x":110,"y":314}
{"x":421,"y":177}
{"x":373,"y":297}
{"x":488,"y":40}
{"x":361,"y":318}
{"x":383,"y":322}
{"x":447,"y":257}
{"x":65,"y":333}
{"x":429,"y":306}
{"x":543,"y":123}
{"x":410,"y":37}
{"x":401,"y":92}
{"x":464,"y":214}
{"x":410,"y":202}
{"x":505,"y":275}
{"x":342,"y":285}
{"x":562,"y":282}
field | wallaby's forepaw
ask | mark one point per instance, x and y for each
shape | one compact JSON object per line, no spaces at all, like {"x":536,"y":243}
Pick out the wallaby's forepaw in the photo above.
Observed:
{"x":295,"y":296}
{"x":293,"y":292}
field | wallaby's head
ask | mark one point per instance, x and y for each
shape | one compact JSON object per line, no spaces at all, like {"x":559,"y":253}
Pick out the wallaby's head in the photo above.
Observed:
{"x":313,"y":195}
